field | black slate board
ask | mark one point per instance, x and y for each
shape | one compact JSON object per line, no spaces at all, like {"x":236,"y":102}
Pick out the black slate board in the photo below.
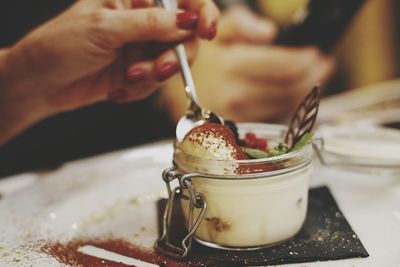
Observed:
{"x":325,"y":235}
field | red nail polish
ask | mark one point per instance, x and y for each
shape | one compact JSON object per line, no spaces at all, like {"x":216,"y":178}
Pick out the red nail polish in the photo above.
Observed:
{"x":139,"y":3}
{"x":212,"y":31}
{"x":166,"y":71}
{"x":136,"y":75}
{"x":117,"y":95}
{"x":187,"y":20}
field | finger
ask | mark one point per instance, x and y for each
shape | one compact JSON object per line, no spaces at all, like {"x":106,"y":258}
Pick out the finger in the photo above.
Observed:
{"x":275,"y":64}
{"x":153,"y":70}
{"x":282,"y":106}
{"x":127,"y":4}
{"x":139,"y":52}
{"x":278,"y":99}
{"x":242,"y":100}
{"x":139,"y":72}
{"x":318,"y":74}
{"x":167,"y":64}
{"x":269,"y":113}
{"x":191,"y":48}
{"x":162,"y":68}
{"x":132,"y":92}
{"x":115,"y":28}
{"x":256,"y":93}
{"x":239,"y":24}
{"x":208,"y":12}
{"x":133,"y":83}
{"x":114,"y":4}
{"x":140,"y":3}
{"x":248,"y":111}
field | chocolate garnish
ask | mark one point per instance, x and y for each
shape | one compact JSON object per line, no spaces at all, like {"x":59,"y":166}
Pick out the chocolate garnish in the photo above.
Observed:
{"x":304,"y":118}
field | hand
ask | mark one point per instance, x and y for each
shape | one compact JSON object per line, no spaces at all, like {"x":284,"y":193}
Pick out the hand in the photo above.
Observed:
{"x":96,"y":50}
{"x":241,"y":76}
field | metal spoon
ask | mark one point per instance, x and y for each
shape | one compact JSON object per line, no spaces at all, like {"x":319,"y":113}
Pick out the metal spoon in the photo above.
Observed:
{"x":195,"y":114}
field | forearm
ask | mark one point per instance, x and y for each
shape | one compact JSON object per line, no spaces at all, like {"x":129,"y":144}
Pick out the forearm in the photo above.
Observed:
{"x":18,"y":109}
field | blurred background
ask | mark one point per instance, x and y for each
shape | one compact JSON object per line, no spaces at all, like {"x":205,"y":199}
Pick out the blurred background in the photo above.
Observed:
{"x":368,"y":53}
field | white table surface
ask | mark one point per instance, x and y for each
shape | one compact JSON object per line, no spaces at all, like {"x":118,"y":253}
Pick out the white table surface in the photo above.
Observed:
{"x":370,"y":202}
{"x":55,"y":205}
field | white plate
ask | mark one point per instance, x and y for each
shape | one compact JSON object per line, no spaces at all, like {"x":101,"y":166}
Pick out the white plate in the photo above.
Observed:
{"x":116,"y":194}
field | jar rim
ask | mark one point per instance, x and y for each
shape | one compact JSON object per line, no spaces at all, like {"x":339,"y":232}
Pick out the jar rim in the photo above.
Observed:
{"x":285,"y":156}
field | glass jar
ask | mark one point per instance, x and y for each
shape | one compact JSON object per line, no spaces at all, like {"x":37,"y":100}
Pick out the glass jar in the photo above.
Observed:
{"x":371,"y":149}
{"x":242,"y":204}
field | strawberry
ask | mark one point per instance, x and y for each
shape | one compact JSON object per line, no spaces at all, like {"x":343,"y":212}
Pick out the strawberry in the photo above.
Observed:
{"x":261,"y":144}
{"x":250,"y":143}
{"x":250,"y":136}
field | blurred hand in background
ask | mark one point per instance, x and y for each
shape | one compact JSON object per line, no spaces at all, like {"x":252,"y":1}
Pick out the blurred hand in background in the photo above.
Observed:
{"x":243,"y":77}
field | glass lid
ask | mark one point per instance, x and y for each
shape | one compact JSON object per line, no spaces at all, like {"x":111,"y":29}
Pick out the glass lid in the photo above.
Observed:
{"x":359,"y":146}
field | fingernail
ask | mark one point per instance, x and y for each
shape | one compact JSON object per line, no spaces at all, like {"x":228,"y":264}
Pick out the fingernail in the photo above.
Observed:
{"x":139,"y":3}
{"x":166,"y":70}
{"x":212,"y":31}
{"x":117,"y":95}
{"x":136,"y":75}
{"x":187,"y":20}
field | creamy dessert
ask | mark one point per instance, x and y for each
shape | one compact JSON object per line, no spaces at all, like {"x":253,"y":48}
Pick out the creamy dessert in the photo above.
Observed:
{"x":212,"y":141}
{"x":255,"y":188}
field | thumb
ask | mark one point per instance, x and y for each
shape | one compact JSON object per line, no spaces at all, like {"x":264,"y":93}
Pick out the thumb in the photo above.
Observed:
{"x":240,"y":24}
{"x":119,"y":27}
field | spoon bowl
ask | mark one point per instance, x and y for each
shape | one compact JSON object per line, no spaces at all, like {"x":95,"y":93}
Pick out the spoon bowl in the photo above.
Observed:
{"x":195,"y":118}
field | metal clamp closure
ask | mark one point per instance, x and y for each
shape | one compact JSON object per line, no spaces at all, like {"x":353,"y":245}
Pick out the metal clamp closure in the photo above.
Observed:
{"x":318,"y":145}
{"x":196,"y":200}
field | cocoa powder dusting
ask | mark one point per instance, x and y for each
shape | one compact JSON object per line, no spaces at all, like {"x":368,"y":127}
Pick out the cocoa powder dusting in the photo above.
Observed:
{"x":222,"y":131}
{"x":68,"y":254}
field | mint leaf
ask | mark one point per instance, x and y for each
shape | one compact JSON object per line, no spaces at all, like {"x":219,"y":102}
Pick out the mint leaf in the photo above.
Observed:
{"x":278,"y":150}
{"x":303,"y":141}
{"x":255,"y":153}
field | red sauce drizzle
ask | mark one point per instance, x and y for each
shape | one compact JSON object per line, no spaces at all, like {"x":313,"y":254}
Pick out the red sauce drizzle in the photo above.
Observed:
{"x":68,"y":254}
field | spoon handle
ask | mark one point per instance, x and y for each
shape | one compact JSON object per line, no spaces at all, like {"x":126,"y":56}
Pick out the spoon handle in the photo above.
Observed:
{"x":190,"y":88}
